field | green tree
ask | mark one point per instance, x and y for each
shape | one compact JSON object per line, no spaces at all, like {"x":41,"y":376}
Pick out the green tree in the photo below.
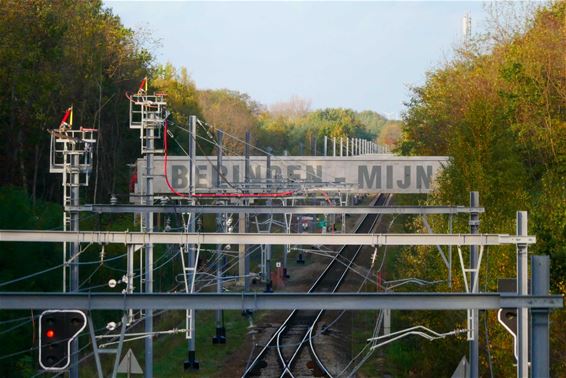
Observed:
{"x":498,"y":110}
{"x":54,"y":54}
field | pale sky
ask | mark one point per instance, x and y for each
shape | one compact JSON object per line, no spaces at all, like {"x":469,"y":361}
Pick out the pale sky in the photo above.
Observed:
{"x":359,"y":55}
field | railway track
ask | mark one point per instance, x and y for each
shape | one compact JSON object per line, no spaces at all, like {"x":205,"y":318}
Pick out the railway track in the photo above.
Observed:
{"x":288,"y":345}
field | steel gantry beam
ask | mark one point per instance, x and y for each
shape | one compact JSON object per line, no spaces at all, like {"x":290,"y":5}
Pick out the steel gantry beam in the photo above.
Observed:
{"x":204,"y":209}
{"x":276,"y":301}
{"x":138,"y":238}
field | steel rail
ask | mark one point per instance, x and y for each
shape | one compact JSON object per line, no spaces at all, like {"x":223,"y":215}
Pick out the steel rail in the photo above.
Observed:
{"x":339,"y":282}
{"x":277,"y":335}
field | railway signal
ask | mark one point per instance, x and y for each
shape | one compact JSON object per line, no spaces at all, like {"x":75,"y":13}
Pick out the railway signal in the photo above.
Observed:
{"x":57,"y":328}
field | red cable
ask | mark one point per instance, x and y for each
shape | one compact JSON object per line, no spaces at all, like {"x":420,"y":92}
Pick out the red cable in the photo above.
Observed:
{"x":236,"y":195}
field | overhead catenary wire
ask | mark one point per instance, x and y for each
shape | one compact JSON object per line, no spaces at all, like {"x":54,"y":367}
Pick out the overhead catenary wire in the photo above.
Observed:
{"x":208,"y":195}
{"x":249,"y":144}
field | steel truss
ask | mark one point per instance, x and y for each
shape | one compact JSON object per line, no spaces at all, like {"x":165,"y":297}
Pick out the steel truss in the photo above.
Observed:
{"x":277,"y":301}
{"x":110,"y":237}
{"x":209,"y":209}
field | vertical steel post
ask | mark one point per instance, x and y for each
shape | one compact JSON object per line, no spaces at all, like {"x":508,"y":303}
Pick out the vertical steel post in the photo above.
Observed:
{"x":191,"y":362}
{"x":241,"y":248}
{"x":474,"y":342}
{"x":341,"y":144}
{"x":540,"y":350}
{"x":353,"y":146}
{"x":74,"y":252}
{"x":347,"y":146}
{"x":268,"y":282}
{"x":242,"y":218}
{"x":246,"y":183}
{"x":325,"y":145}
{"x":286,"y":247}
{"x":130,"y":249}
{"x":147,"y":225}
{"x":522,"y":289}
{"x":300,"y":259}
{"x":315,"y":144}
{"x":220,"y":337}
{"x":334,"y":147}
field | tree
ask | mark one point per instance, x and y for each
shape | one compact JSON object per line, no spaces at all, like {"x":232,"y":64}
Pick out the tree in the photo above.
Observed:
{"x":54,"y":54}
{"x":229,"y":111}
{"x":295,"y":108}
{"x":498,"y":110}
{"x":390,"y":134}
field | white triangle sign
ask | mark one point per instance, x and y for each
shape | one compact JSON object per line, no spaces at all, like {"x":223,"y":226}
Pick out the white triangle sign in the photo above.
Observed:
{"x":129,"y":364}
{"x":462,"y":370}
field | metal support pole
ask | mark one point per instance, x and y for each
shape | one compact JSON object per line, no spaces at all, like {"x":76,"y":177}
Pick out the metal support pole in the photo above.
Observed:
{"x":192,"y":362}
{"x":192,"y":153}
{"x":246,"y":183}
{"x":522,"y":289}
{"x":220,"y":337}
{"x":315,"y":144}
{"x":540,"y":350}
{"x":473,"y":324}
{"x":341,"y":144}
{"x":286,"y":247}
{"x":130,"y":249}
{"x":353,"y":147}
{"x":74,"y":254}
{"x":300,"y":259}
{"x":147,"y":226}
{"x":347,"y":146}
{"x":241,"y":250}
{"x":334,"y":147}
{"x":268,"y":283}
{"x":450,"y":226}
{"x":325,"y":145}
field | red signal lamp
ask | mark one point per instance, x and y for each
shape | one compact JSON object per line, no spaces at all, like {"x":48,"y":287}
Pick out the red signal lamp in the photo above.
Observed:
{"x":50,"y":333}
